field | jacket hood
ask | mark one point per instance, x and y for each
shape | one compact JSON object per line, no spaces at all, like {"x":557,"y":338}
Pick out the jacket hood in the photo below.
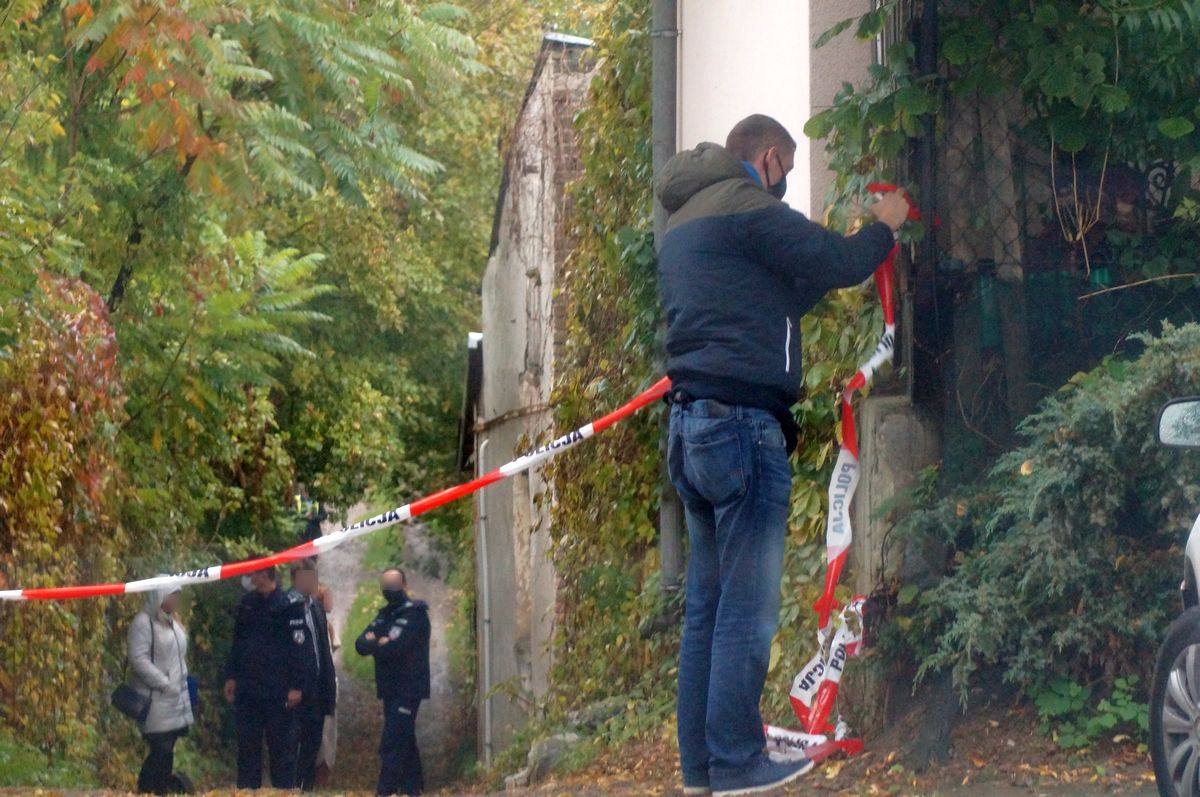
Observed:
{"x":689,"y":172}
{"x":155,"y":597}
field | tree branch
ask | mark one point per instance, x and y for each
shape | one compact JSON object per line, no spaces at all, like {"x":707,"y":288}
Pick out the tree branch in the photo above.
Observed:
{"x":1161,"y":278}
{"x":117,"y":291}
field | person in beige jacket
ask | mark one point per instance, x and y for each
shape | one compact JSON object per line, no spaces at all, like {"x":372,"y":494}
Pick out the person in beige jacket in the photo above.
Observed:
{"x":158,"y":665}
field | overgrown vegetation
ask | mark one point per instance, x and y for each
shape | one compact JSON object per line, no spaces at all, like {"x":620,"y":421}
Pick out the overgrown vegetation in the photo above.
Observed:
{"x":1062,"y":560}
{"x":60,"y":463}
{"x":25,"y":765}
{"x":240,"y":247}
{"x":1103,"y":84}
{"x":1072,"y":147}
{"x":1065,"y":561}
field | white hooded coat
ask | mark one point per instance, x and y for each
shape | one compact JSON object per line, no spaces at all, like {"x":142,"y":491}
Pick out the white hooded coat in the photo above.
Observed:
{"x":164,"y":678}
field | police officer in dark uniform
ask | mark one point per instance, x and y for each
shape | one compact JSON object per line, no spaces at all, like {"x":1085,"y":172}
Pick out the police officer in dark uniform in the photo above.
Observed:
{"x":398,"y":638}
{"x":264,"y":679}
{"x":314,"y":515}
{"x":320,"y":683}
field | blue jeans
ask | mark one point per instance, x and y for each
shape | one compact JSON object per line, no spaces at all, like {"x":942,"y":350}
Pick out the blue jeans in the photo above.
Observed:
{"x":730,"y":466}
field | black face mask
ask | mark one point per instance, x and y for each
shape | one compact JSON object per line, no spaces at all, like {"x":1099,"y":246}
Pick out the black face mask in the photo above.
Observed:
{"x":780,"y":188}
{"x":394,"y":595}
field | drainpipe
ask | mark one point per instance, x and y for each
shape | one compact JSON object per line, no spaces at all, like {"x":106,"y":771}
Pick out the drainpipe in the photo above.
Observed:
{"x":664,"y":40}
{"x":927,"y":66}
{"x":485,"y":609}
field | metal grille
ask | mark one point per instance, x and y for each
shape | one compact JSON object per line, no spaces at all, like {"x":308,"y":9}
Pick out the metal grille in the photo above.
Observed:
{"x":1013,"y":295}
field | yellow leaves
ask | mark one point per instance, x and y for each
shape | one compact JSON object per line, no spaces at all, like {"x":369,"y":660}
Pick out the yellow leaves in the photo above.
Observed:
{"x":151,"y":135}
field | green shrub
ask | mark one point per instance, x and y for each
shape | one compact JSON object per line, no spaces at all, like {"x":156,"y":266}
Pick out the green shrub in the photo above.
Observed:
{"x":1067,"y":714}
{"x":1066,"y":558}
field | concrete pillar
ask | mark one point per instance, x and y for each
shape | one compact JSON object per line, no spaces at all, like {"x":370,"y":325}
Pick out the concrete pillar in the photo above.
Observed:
{"x":896,"y":441}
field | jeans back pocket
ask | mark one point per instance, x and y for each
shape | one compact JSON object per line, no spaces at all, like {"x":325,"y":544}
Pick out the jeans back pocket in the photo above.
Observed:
{"x":713,"y":464}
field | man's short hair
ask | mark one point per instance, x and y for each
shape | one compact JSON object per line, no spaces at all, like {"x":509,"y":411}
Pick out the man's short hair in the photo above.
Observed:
{"x":269,"y":572}
{"x":403,"y":577}
{"x":756,"y":134}
{"x":307,"y":563}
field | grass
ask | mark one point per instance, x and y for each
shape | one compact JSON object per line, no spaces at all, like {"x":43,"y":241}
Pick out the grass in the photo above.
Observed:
{"x":366,"y":603}
{"x":22,"y":765}
{"x":207,"y":770}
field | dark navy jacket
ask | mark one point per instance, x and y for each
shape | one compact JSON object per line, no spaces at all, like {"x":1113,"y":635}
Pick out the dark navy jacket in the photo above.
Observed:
{"x":270,"y":639}
{"x":737,"y":270}
{"x":402,"y":664}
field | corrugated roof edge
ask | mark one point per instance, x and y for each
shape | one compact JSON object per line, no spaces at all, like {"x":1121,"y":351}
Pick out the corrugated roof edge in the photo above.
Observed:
{"x":566,"y":38}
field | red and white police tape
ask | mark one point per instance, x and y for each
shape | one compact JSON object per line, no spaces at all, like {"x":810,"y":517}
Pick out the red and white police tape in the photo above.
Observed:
{"x":815,"y":687}
{"x":390,"y":518}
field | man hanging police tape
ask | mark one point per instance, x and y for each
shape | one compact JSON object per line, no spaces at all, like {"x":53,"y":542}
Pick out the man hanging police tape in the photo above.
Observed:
{"x":265,"y":677}
{"x":737,"y":270}
{"x":398,"y":638}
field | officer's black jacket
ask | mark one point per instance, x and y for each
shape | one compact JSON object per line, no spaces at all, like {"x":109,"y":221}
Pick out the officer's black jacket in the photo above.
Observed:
{"x":402,"y":664}
{"x":319,"y":682}
{"x":270,"y":639}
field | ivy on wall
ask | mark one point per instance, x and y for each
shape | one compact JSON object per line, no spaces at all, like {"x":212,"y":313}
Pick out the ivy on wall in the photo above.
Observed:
{"x":58,"y":519}
{"x":607,"y":495}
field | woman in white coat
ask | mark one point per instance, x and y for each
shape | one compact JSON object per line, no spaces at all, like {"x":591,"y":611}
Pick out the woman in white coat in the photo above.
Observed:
{"x":158,"y":664}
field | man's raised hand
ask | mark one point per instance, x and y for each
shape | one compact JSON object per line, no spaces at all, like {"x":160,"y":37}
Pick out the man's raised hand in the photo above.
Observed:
{"x":892,"y":209}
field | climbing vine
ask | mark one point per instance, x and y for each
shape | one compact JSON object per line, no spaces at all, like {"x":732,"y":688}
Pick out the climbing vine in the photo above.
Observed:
{"x":58,"y":518}
{"x":1091,"y":86}
{"x":607,"y":495}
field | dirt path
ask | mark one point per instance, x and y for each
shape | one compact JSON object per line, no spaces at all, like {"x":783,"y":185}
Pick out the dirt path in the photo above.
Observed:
{"x":440,"y":720}
{"x":357,"y":712}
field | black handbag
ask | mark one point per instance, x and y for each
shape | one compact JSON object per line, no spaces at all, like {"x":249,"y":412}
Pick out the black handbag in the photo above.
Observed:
{"x":129,"y":701}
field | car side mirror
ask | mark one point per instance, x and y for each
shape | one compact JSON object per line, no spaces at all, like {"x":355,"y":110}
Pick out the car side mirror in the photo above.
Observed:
{"x":1179,"y":423}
